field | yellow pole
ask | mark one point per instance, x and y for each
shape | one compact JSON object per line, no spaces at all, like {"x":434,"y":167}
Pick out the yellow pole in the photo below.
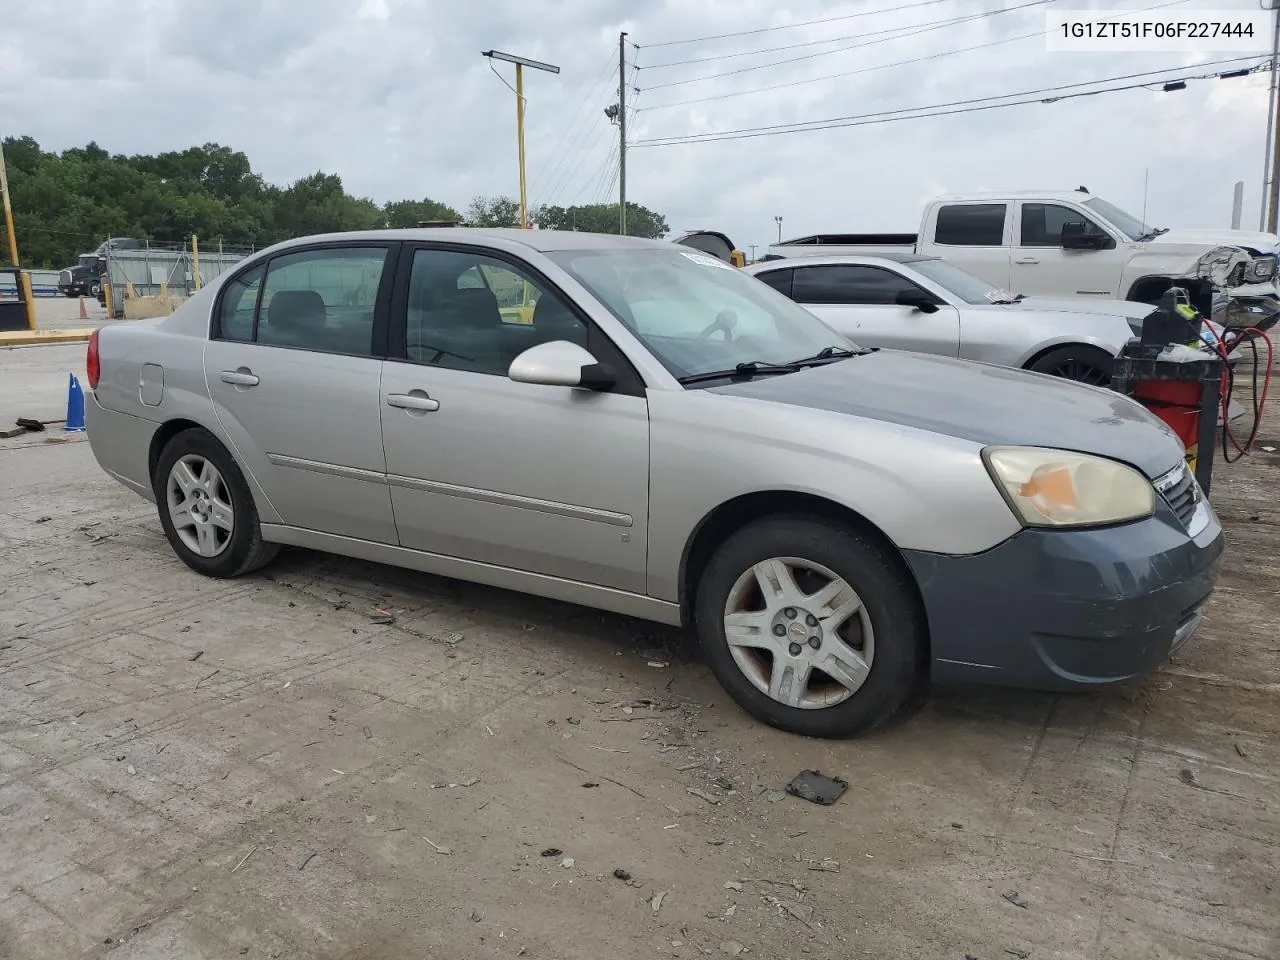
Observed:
{"x":23,"y":279}
{"x":8,"y":211}
{"x":524,"y":208}
{"x":195,"y":261}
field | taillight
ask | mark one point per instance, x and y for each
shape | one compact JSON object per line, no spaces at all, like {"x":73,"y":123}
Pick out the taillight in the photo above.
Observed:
{"x":92,"y":365}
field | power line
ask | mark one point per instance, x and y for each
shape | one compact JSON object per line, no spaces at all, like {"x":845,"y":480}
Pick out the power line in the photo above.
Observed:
{"x":938,"y":109}
{"x":871,"y":69}
{"x":542,"y":178}
{"x":911,"y":32}
{"x":570,"y":168}
{"x":792,"y":26}
{"x":814,"y":43}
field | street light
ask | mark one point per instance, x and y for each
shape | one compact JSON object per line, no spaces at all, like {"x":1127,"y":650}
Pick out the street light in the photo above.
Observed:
{"x":521,"y":63}
{"x":778,"y":221}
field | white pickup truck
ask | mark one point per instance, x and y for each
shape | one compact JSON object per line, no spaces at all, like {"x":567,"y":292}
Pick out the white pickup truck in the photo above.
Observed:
{"x":1069,"y":244}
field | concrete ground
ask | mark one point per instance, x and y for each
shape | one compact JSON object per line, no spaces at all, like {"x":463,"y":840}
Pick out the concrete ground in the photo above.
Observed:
{"x":54,"y":313}
{"x":267,"y":768}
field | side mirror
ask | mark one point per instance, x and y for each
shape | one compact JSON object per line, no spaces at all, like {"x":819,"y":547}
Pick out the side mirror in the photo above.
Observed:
{"x":560,"y":363}
{"x":917,"y":299}
{"x":1076,"y":235}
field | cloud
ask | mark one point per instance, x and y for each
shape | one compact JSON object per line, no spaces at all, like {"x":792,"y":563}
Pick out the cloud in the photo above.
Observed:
{"x":395,"y":97}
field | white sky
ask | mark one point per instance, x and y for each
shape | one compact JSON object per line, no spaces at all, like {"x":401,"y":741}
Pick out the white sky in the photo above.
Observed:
{"x":394,"y":96}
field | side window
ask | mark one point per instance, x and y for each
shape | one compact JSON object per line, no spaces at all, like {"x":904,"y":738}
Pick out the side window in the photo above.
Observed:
{"x":780,"y":280}
{"x":322,"y":300}
{"x":235,"y":317}
{"x":1042,"y":224}
{"x":453,"y":322}
{"x":848,"y":285}
{"x":971,"y":225}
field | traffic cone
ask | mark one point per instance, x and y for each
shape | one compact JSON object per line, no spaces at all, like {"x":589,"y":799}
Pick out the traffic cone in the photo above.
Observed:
{"x":84,"y":314}
{"x":75,"y":405}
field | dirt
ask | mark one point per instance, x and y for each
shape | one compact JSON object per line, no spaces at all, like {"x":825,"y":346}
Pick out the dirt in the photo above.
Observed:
{"x":269,"y":768}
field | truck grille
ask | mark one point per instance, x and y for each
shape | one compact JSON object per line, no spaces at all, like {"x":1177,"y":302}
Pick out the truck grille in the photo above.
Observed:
{"x":64,"y":278}
{"x":1181,"y":492}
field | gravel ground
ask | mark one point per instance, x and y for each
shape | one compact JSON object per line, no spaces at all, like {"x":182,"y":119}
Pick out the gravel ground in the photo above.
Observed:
{"x":262,"y":768}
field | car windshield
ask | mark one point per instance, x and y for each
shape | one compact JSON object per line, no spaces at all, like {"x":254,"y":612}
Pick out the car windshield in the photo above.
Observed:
{"x":695,"y":313}
{"x":1129,"y":225}
{"x":951,"y":278}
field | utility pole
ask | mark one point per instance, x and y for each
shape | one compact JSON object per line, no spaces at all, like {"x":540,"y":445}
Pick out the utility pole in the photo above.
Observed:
{"x":1271,"y":183}
{"x":622,"y":134}
{"x":753,"y":253}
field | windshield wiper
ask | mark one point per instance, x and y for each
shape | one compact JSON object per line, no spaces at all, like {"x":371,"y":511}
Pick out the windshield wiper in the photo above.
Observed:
{"x":830,"y":353}
{"x":1153,"y":233}
{"x":757,"y":368}
{"x":746,"y":370}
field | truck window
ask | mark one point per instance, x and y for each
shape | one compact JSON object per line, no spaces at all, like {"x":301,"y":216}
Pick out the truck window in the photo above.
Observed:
{"x":848,"y":285}
{"x":1042,"y":224}
{"x":971,"y":225}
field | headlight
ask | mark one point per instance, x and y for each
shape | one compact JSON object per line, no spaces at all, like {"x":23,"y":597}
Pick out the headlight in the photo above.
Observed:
{"x":1260,"y":270}
{"x":1058,"y":488}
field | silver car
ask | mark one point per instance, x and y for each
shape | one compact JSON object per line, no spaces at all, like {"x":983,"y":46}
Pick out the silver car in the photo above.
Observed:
{"x":641,"y":428}
{"x":909,"y":302}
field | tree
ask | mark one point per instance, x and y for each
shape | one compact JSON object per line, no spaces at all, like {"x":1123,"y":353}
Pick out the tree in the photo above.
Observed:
{"x":67,"y":203}
{"x":603,"y":218}
{"x":409,"y":213}
{"x":493,"y":212}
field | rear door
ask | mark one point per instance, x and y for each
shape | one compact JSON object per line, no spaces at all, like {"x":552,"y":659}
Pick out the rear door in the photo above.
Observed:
{"x":860,"y":302}
{"x":972,"y":235}
{"x":293,"y":370}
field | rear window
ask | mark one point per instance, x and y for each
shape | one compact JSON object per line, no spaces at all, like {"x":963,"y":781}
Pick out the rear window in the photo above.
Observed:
{"x":971,"y":225}
{"x":780,"y":280}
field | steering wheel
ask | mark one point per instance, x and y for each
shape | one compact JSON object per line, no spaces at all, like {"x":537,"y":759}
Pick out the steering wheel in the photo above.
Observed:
{"x":725,"y":321}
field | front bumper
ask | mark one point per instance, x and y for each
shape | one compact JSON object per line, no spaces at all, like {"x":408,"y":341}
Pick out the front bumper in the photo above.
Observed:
{"x":1062,"y":610}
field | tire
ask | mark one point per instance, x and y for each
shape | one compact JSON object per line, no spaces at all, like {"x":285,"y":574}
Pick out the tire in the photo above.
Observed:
{"x":95,"y":289}
{"x":887,"y":632}
{"x":206,"y":545}
{"x":1079,"y":362}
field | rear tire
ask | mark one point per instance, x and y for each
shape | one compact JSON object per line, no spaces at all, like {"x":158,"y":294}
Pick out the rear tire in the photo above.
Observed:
{"x":1079,"y":362}
{"x":206,"y":509}
{"x":838,"y":646}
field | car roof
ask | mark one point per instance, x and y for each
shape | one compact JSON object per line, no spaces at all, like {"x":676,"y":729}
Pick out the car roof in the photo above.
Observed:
{"x":1072,"y":195}
{"x":838,"y":258}
{"x":541,"y":240}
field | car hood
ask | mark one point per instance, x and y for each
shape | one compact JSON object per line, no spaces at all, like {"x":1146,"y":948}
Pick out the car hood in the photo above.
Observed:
{"x":1265,"y":242}
{"x":1129,"y":309}
{"x":978,"y":402}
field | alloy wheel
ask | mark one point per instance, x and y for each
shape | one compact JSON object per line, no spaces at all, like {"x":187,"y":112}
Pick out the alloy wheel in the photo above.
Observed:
{"x":200,"y":508}
{"x":799,"y":633}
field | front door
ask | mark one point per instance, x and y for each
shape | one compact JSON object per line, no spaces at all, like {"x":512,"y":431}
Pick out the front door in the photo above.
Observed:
{"x":294,"y":381}
{"x":1040,"y":267}
{"x":860,"y":302}
{"x":549,"y":480}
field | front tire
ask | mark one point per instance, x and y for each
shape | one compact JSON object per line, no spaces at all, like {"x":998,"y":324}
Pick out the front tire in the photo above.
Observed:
{"x":206,"y":509}
{"x":95,"y":289}
{"x":811,"y":627}
{"x":1078,"y":362}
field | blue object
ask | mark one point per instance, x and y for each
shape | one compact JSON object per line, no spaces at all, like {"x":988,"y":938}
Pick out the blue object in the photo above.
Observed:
{"x":75,"y":405}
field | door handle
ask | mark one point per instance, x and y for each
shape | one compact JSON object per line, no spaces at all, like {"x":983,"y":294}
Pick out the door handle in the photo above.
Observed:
{"x":240,"y":378}
{"x":413,"y":401}
{"x":1026,"y":260}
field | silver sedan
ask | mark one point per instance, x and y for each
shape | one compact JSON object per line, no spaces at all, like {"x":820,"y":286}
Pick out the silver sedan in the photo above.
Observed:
{"x":910,"y":302}
{"x":638,"y":427}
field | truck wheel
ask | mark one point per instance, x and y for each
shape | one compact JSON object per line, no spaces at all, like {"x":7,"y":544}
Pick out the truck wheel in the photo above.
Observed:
{"x":811,"y":626}
{"x":95,"y":288}
{"x":1079,"y":362}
